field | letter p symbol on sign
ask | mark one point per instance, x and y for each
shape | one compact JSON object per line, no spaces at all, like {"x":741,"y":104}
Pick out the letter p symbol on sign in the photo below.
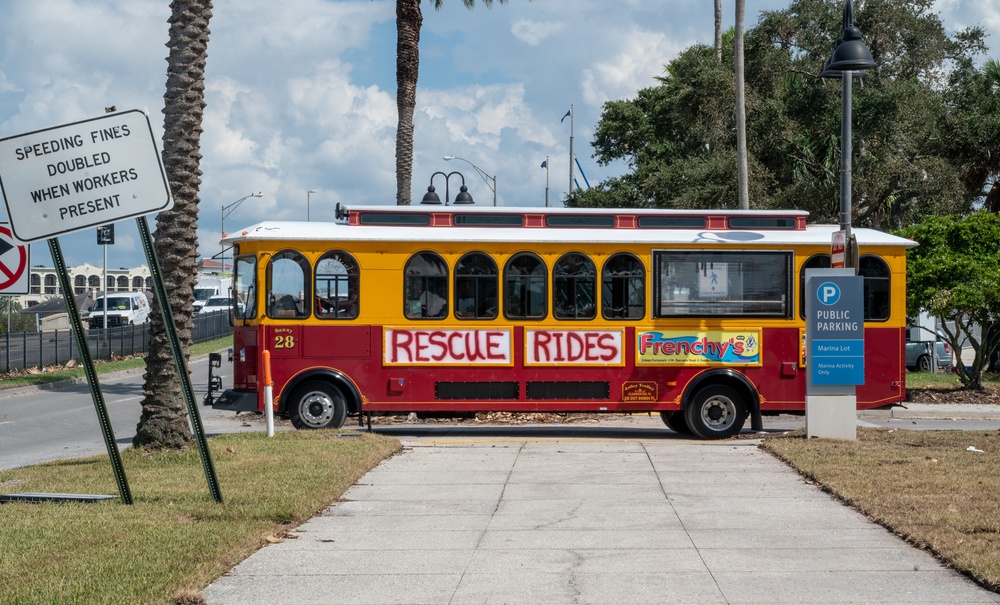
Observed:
{"x":828,"y":293}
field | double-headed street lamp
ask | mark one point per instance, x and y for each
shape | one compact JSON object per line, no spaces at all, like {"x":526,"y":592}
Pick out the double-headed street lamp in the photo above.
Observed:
{"x":226,"y":211}
{"x":850,"y":57}
{"x":486,"y":177}
{"x":463,"y":197}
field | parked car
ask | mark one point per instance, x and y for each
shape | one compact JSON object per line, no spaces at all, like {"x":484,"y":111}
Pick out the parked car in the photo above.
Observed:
{"x":218,"y":303}
{"x":995,"y":357}
{"x":918,"y":354}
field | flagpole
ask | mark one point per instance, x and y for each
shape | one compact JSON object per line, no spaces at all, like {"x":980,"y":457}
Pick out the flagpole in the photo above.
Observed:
{"x":571,"y":155}
{"x":546,"y":185}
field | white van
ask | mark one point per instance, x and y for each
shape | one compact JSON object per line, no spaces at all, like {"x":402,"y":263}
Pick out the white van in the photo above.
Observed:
{"x":124,"y":309}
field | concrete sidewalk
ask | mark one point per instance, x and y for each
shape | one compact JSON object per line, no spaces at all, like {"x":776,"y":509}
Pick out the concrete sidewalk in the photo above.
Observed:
{"x":617,"y":518}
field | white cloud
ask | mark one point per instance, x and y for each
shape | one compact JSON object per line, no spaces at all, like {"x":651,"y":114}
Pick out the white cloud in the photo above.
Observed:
{"x":533,"y":33}
{"x":223,"y":138}
{"x":642,"y":56}
{"x":478,"y":115}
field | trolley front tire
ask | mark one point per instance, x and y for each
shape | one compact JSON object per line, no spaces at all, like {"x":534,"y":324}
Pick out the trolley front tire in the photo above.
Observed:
{"x":716,"y":412}
{"x":676,"y":422}
{"x":317,"y":405}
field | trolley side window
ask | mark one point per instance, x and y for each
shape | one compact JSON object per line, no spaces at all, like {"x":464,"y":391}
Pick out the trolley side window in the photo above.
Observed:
{"x":877,"y":285}
{"x":476,"y":287}
{"x":288,"y":286}
{"x":525,"y":291}
{"x":337,"y":286}
{"x":723,"y":284}
{"x":574,"y":287}
{"x":425,"y":287}
{"x":245,"y":287}
{"x":623,"y":288}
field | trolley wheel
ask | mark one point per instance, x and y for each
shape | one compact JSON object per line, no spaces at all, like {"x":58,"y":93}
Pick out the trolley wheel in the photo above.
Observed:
{"x":716,"y":412}
{"x":675,"y":422}
{"x":924,"y":363}
{"x":317,"y":405}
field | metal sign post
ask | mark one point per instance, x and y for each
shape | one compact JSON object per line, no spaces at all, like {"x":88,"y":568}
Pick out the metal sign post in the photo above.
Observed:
{"x":88,"y":367}
{"x":182,"y":369}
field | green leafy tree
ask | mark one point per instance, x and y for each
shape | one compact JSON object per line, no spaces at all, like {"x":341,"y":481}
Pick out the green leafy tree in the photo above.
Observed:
{"x":679,"y":141}
{"x":973,"y":130}
{"x":164,"y":422}
{"x":954,"y":274}
{"x":11,"y":316}
{"x":408,"y":22}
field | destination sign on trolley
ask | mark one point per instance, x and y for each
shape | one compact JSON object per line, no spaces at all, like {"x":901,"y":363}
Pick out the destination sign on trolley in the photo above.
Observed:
{"x":82,"y":175}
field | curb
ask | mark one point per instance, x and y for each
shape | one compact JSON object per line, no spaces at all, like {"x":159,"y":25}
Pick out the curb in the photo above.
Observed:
{"x":71,"y":382}
{"x":936,"y":411}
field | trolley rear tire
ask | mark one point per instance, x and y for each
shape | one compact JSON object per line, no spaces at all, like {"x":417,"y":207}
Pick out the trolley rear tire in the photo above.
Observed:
{"x":676,"y":422}
{"x":317,"y":405}
{"x":716,"y":412}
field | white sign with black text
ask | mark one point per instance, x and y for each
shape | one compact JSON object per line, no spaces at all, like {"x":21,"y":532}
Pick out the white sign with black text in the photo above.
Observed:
{"x":82,"y":175}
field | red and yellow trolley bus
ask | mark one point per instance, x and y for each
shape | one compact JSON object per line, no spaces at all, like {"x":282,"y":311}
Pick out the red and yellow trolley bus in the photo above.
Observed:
{"x":697,"y":315}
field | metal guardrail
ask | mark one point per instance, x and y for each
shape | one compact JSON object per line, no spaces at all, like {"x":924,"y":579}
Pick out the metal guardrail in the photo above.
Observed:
{"x":22,"y":350}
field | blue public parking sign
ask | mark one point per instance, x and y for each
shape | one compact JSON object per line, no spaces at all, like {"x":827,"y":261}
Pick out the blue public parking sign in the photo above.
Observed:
{"x":835,"y":327}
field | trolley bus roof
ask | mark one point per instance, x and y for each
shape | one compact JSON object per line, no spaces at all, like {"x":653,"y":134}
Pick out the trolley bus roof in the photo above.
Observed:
{"x":326,"y":231}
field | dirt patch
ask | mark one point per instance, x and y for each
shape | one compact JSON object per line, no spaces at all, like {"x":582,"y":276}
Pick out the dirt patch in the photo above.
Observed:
{"x":991,"y":395}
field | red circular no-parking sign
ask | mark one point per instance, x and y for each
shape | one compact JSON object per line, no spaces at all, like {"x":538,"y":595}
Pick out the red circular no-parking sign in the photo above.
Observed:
{"x":13,"y":264}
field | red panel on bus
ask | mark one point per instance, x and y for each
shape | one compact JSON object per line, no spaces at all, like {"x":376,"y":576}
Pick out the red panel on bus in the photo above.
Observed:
{"x":337,"y":341}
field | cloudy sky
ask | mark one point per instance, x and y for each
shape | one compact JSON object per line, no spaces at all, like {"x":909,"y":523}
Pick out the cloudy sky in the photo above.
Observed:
{"x":301,"y":93}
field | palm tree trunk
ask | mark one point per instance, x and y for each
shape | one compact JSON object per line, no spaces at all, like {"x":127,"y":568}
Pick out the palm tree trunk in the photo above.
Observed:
{"x":718,"y":31}
{"x":408,"y":22}
{"x":741,"y":110}
{"x":164,"y":422}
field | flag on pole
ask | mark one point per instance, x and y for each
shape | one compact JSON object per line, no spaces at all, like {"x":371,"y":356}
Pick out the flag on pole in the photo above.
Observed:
{"x":568,"y":113}
{"x":544,"y":163}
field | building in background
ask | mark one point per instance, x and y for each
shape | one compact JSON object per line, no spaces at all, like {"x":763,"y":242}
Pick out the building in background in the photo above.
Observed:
{"x":86,"y":278}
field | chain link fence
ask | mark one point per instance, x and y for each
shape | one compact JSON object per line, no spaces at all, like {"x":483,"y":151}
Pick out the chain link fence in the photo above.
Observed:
{"x":22,"y":350}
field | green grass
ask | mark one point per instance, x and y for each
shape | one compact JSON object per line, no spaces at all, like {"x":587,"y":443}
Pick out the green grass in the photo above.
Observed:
{"x":14,"y":380}
{"x":945,"y":380}
{"x":174,"y":540}
{"x":922,"y":485}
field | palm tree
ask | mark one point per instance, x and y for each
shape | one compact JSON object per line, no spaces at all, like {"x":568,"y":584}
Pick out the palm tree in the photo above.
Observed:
{"x":408,"y":22}
{"x":741,"y":111}
{"x":164,"y":422}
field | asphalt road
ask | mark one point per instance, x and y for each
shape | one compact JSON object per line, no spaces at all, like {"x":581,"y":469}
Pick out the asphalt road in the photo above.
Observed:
{"x":39,"y":425}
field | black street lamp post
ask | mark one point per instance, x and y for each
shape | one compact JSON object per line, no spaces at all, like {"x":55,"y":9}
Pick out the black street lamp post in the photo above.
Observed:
{"x":850,"y":58}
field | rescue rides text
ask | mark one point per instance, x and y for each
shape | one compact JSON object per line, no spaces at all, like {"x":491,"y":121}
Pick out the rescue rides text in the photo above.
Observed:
{"x":586,"y":347}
